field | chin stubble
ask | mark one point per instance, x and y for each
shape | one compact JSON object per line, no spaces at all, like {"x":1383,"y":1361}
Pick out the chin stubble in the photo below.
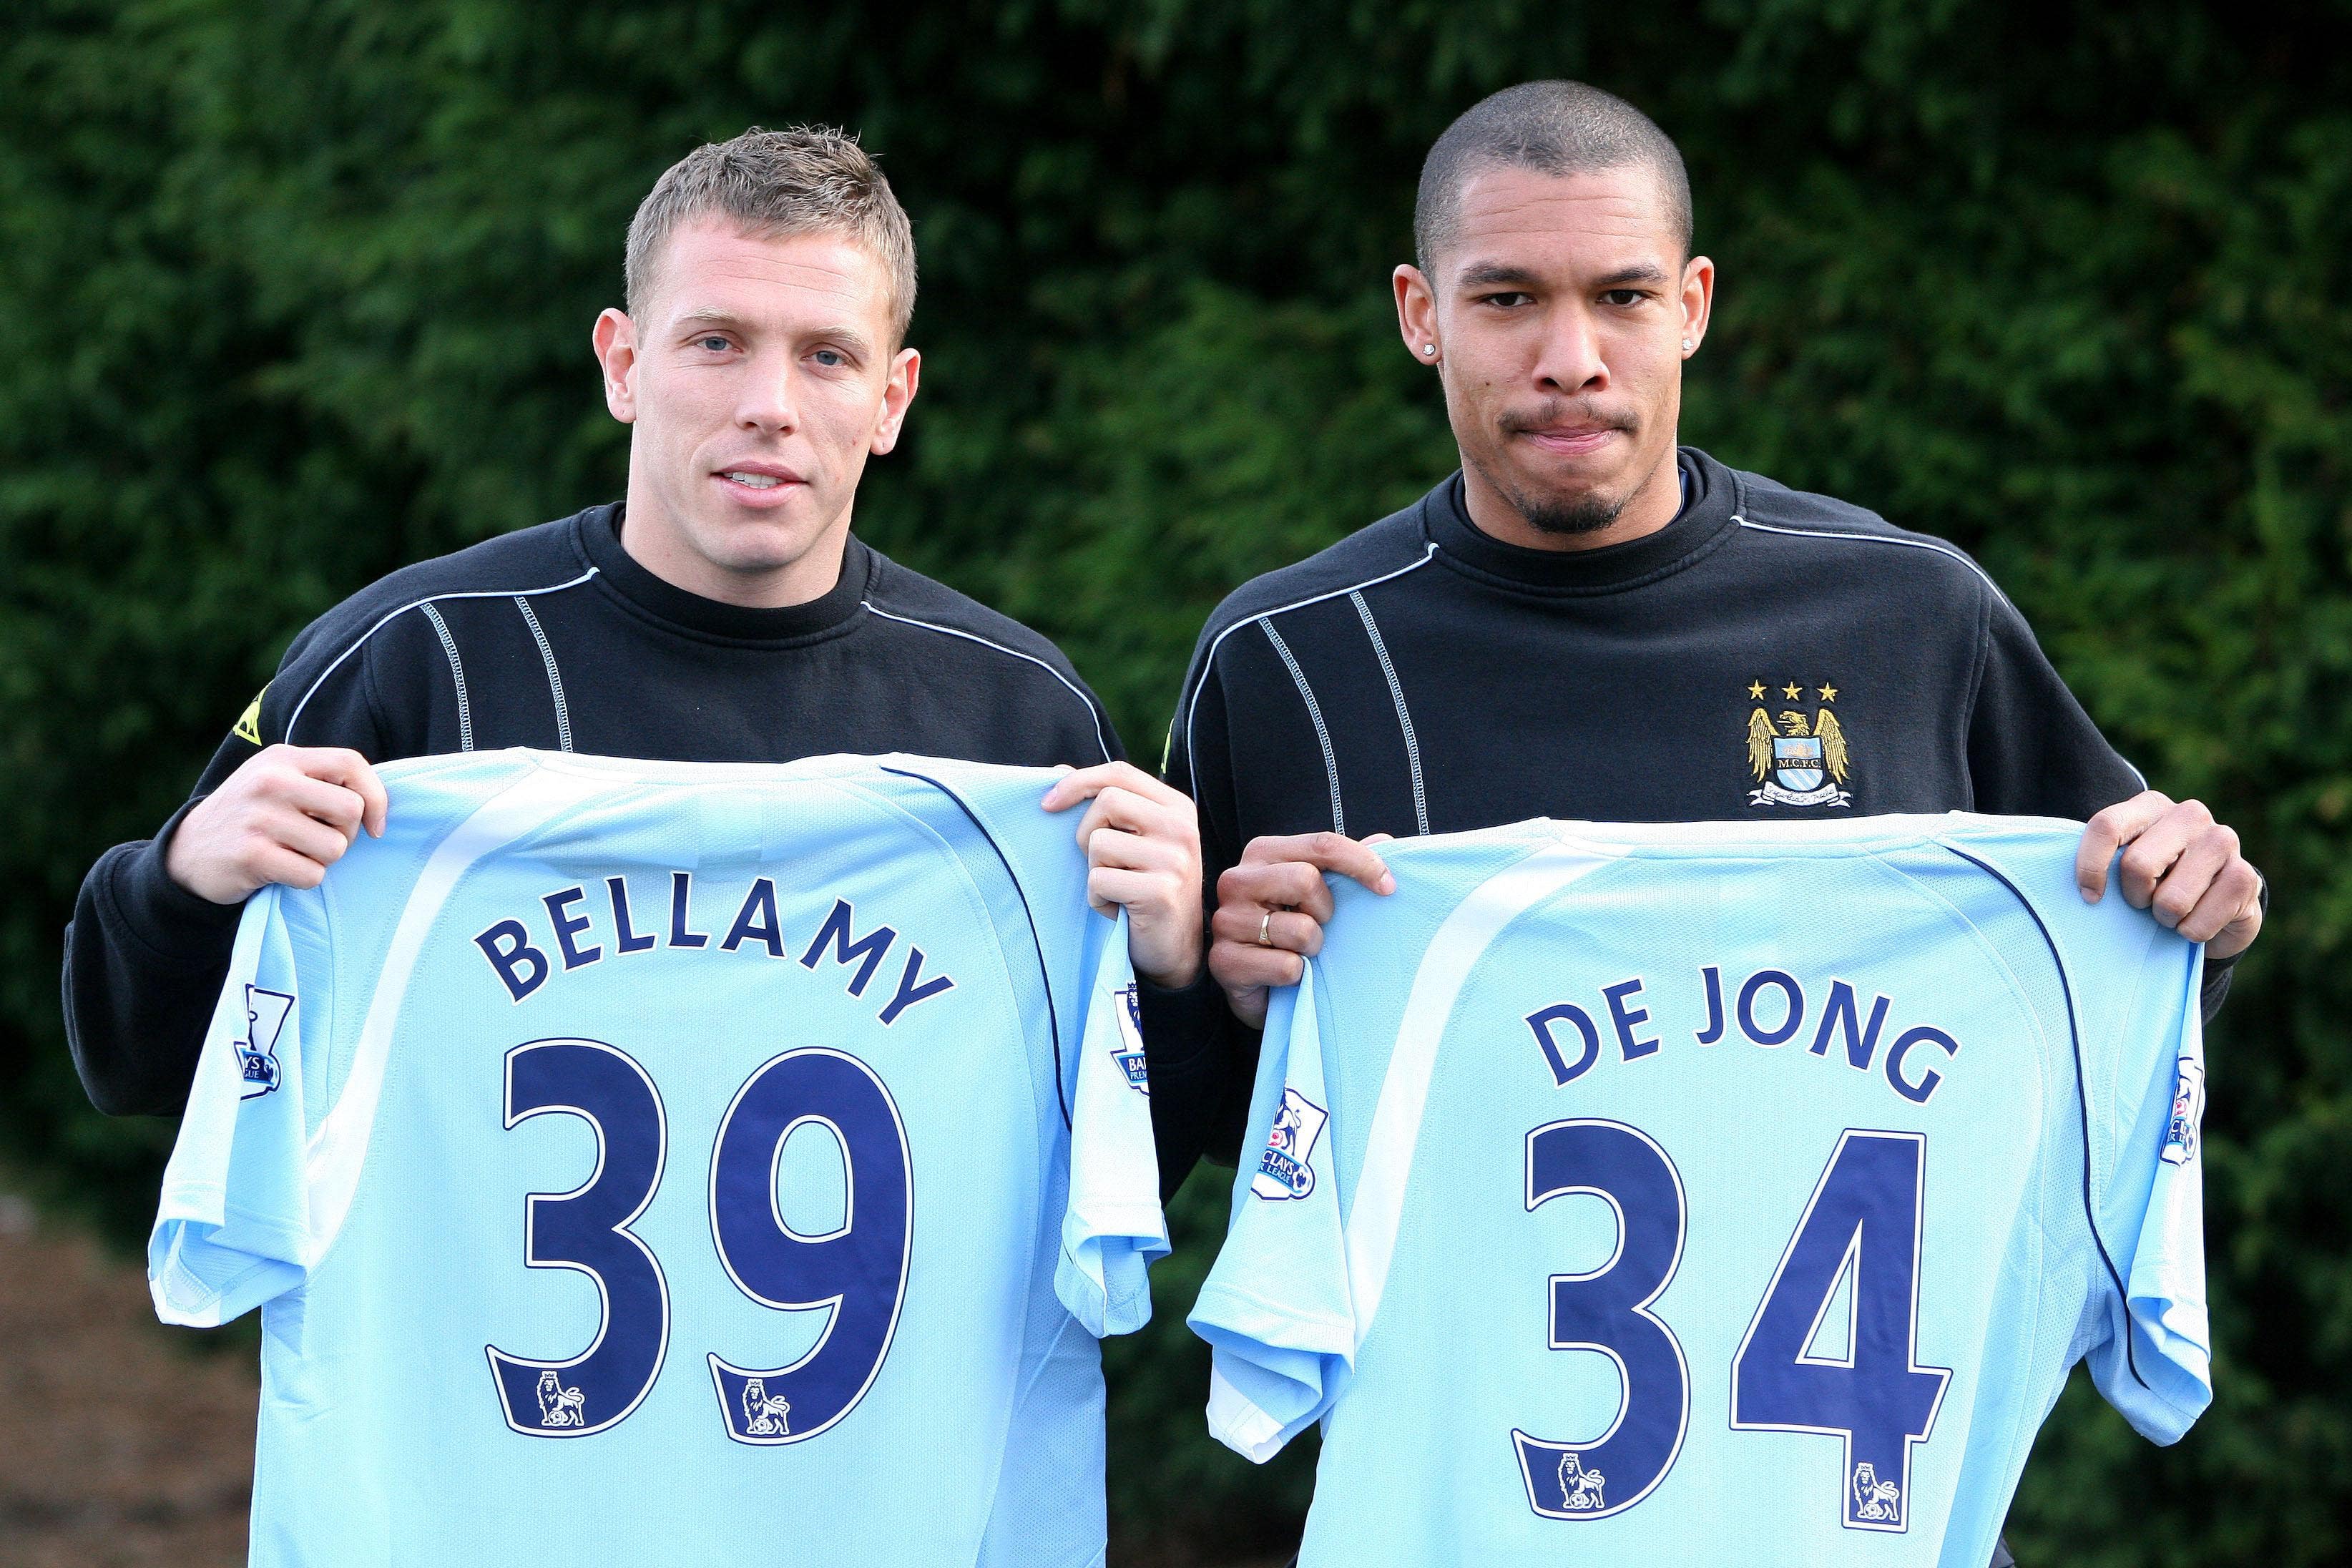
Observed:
{"x":1582,"y":515}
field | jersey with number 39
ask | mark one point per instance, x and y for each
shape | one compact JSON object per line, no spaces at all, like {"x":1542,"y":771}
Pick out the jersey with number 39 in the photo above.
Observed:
{"x":1713,"y":1194}
{"x":654,"y":1163}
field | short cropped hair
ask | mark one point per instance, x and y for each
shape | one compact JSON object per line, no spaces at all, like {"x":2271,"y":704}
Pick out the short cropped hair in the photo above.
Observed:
{"x":1553,"y":128}
{"x":809,"y":179}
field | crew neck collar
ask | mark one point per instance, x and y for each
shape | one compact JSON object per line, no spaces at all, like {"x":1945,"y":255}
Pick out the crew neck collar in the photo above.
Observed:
{"x":600,"y":537}
{"x":1708,"y":507}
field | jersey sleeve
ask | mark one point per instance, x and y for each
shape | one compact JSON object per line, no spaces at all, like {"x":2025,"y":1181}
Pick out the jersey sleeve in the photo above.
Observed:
{"x":1202,"y":1056}
{"x":1113,"y":1227}
{"x":2032,"y":750}
{"x":2152,"y":1357}
{"x":1277,"y":1307}
{"x":234,"y":1228}
{"x":143,"y":956}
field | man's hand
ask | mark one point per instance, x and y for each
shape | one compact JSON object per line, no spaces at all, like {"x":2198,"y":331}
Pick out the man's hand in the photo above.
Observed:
{"x":2179,"y":864}
{"x":1271,"y":909}
{"x":284,"y":816}
{"x":1142,"y":841}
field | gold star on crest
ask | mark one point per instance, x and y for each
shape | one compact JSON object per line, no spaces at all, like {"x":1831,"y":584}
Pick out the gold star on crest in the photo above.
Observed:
{"x":1829,"y":693}
{"x":1792,"y":691}
{"x":1756,"y":690}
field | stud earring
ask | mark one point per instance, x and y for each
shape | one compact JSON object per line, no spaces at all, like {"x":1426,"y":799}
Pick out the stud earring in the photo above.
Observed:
{"x":1685,"y":345}
{"x":1429,"y":348}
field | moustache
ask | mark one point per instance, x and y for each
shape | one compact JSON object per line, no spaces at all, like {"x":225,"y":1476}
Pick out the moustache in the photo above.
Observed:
{"x":1516,"y":422}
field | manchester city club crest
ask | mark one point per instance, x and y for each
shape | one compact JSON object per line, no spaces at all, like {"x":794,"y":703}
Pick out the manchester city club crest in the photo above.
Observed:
{"x":1796,"y":761}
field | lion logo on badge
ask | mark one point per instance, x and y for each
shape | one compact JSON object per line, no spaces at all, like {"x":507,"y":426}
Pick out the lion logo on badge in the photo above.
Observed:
{"x":1580,"y":1489}
{"x":1284,"y":1167}
{"x":1875,"y":1502}
{"x":257,"y":1054}
{"x":558,"y":1406}
{"x":1127,"y":1050}
{"x":2181,"y":1129}
{"x":765,"y":1415}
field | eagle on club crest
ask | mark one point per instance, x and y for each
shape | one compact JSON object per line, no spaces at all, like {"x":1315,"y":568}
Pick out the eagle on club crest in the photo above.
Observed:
{"x":1795,"y":761}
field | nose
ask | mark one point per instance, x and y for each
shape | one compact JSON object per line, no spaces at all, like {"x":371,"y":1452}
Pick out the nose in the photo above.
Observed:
{"x":1568,"y":359}
{"x":766,"y":401}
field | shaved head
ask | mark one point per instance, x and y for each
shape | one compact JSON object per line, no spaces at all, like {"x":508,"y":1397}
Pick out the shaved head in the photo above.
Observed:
{"x":1551,"y":127}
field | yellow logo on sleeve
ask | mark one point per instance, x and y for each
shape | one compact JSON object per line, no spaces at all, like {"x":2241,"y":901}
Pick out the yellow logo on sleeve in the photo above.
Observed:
{"x":249,"y":723}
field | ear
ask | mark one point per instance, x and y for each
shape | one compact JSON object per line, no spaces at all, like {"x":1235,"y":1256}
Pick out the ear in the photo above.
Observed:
{"x":615,"y":337}
{"x":1698,"y":298}
{"x":905,"y":376}
{"x":1416,"y":303}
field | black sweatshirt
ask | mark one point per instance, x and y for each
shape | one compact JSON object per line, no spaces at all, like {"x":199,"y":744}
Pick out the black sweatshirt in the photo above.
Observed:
{"x":1422,"y":677}
{"x":553,"y":637}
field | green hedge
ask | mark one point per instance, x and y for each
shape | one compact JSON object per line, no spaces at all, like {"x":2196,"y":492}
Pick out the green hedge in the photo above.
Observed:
{"x":292,"y":294}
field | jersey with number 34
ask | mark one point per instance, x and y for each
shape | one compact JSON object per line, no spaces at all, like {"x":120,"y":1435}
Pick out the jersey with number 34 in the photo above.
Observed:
{"x":652,"y":1164}
{"x":1713,"y":1194}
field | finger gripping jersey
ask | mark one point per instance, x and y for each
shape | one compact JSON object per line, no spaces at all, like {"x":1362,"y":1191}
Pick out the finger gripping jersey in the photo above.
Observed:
{"x":1712,"y":1193}
{"x":663,"y":1162}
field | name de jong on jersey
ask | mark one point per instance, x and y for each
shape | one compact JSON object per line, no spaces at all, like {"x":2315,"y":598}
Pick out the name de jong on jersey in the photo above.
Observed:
{"x":1713,"y":1193}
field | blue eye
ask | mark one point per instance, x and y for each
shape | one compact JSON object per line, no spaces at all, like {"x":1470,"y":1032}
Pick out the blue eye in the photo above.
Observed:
{"x":830,"y":358}
{"x":715,"y":343}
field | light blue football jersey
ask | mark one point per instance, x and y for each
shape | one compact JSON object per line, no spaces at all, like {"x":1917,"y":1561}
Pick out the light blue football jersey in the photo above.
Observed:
{"x":1713,"y":1194}
{"x":654,"y":1163}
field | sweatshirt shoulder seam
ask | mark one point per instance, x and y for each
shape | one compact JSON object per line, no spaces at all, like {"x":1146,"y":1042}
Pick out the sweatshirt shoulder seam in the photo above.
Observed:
{"x":1094,"y":715}
{"x":380,"y":622}
{"x":1265,"y":617}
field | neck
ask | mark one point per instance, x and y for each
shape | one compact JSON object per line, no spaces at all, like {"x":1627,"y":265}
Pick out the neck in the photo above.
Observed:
{"x":657,"y":543}
{"x":1656,"y":502}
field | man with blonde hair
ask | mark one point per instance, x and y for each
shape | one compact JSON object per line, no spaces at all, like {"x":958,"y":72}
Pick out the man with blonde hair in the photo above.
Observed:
{"x":724,"y":611}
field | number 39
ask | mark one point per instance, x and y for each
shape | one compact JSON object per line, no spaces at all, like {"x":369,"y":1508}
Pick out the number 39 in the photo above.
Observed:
{"x":858,"y":1270}
{"x":1865,"y":1214}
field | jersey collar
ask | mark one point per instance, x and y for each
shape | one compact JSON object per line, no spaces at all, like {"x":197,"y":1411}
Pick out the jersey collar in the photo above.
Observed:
{"x":1703,"y":522}
{"x":599,"y":530}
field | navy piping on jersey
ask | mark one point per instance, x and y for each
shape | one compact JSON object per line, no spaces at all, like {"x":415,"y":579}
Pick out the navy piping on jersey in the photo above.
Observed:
{"x":2082,"y":1100}
{"x":361,"y":641}
{"x":1100,"y":739}
{"x":457,"y":677}
{"x":1036,"y":942}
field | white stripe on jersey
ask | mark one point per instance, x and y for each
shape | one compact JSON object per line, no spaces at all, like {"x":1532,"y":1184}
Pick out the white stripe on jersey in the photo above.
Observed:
{"x":1445,"y":964}
{"x":339,"y":1148}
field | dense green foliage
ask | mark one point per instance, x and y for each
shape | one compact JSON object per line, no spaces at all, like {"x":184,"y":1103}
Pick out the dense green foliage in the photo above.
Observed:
{"x":291,"y":294}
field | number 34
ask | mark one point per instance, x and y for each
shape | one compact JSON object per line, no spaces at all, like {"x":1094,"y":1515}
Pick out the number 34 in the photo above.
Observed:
{"x":1864,"y":1218}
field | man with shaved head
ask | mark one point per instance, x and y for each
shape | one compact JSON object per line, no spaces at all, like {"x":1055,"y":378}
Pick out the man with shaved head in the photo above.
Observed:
{"x":1588,"y":621}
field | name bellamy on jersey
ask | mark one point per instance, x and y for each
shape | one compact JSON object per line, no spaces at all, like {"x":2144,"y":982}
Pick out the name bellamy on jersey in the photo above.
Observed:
{"x":523,"y":964}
